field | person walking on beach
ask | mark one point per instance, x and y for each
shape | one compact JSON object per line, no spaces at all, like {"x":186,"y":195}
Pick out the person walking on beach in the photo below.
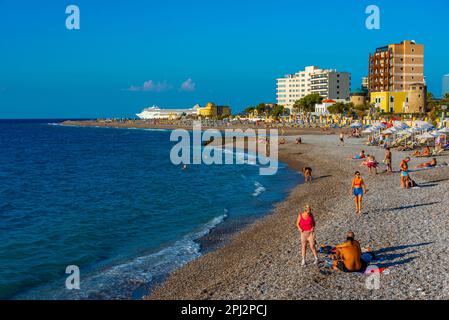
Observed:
{"x":306,"y":227}
{"x":387,"y":160}
{"x":342,"y":138}
{"x":404,"y":173}
{"x":358,"y":189}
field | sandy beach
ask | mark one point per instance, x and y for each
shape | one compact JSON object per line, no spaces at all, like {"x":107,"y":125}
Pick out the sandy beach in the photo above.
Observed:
{"x":407,"y":229}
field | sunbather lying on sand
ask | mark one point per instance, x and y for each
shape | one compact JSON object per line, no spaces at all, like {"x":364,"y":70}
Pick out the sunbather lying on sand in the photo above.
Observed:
{"x":425,"y":153}
{"x":359,"y":156}
{"x":428,"y":164}
{"x":348,"y":255}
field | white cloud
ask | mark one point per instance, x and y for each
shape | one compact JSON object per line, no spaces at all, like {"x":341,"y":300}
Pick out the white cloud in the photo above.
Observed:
{"x":150,"y":85}
{"x":188,"y":85}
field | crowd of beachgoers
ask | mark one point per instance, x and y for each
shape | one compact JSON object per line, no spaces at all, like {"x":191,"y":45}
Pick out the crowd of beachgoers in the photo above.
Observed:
{"x":393,"y":225}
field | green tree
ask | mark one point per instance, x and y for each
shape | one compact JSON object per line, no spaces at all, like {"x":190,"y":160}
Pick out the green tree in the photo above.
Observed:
{"x":337,"y":108}
{"x":261,"y":108}
{"x":249,"y":110}
{"x":277,"y":111}
{"x":307,"y":103}
{"x":361,"y":110}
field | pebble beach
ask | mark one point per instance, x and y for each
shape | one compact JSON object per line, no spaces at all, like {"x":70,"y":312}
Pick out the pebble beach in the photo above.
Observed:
{"x":408,"y":231}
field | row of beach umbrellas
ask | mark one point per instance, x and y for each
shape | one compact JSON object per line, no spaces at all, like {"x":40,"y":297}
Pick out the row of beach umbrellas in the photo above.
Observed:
{"x":420,"y":130}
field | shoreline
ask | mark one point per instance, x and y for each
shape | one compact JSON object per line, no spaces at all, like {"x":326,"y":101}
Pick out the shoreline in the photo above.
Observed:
{"x":288,"y":131}
{"x":219,"y":235}
{"x":263,"y":260}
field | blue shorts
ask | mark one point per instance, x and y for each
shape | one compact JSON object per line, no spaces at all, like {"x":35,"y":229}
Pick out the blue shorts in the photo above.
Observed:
{"x":404,"y":173}
{"x":358,"y":192}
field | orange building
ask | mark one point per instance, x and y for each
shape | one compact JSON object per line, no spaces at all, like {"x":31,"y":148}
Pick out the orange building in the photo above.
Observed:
{"x":396,"y":66}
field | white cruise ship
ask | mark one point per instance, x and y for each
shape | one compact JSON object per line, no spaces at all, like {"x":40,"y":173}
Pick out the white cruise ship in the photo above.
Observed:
{"x":155,"y":112}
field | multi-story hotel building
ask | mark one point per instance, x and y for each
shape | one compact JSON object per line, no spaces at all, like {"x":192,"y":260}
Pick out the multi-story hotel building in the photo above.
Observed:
{"x":445,"y":84}
{"x":329,"y":84}
{"x":396,"y":66}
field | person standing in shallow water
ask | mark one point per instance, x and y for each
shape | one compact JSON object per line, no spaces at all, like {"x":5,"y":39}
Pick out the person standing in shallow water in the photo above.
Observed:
{"x":306,"y":227}
{"x":358,"y":189}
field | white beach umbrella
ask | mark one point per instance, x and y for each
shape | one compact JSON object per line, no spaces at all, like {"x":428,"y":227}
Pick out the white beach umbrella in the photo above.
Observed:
{"x":379,"y":125}
{"x":426,"y":136}
{"x":390,"y":130}
{"x":356,"y":125}
{"x":404,"y":133}
{"x":400,"y":125}
{"x":420,"y":123}
{"x":414,"y":130}
{"x":368,"y":130}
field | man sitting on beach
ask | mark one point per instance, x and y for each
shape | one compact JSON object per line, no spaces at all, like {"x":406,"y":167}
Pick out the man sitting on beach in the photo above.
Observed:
{"x":348,"y":255}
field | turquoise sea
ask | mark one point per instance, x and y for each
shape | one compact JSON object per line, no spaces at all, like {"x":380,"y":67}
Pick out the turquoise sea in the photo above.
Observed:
{"x":110,"y":202}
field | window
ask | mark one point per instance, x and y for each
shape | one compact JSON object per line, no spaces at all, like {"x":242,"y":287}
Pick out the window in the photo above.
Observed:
{"x":391,"y":99}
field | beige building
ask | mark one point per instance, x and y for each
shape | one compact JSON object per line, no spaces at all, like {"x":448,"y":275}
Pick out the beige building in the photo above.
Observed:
{"x":358,"y":98}
{"x":396,"y":66}
{"x":329,"y":84}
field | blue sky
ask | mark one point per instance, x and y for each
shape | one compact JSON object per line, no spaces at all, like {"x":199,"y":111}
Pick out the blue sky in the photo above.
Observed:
{"x":229,"y":52}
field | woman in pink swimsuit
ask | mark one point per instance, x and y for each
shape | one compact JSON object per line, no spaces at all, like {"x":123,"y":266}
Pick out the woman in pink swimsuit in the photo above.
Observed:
{"x":306,"y":226}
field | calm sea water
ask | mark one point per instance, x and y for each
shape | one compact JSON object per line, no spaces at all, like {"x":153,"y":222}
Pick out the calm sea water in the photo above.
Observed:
{"x":110,"y":201}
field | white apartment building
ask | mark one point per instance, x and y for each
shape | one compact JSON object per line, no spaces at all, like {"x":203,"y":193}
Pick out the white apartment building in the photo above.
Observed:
{"x":330,"y":84}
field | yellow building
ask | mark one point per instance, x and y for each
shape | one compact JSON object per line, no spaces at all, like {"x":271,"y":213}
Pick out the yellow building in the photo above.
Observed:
{"x":213,"y":111}
{"x":411,"y":101}
{"x":389,"y":102}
